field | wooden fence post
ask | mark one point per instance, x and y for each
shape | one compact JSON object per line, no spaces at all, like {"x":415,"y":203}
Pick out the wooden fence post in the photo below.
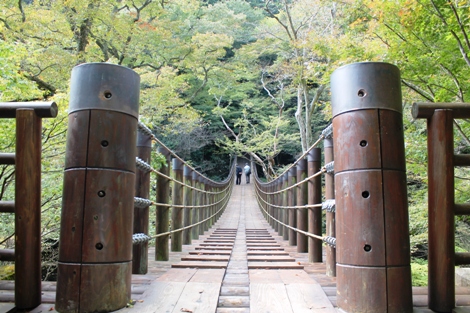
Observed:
{"x":302,"y":199}
{"x":441,"y":234}
{"x":202,"y":201}
{"x":95,"y":253}
{"x":291,"y":196}
{"x":141,"y":215}
{"x":195,"y":217}
{"x":188,"y":202}
{"x":162,"y":223}
{"x":285,"y":212}
{"x":28,"y":209}
{"x":373,"y":250}
{"x":314,"y":214}
{"x":176,"y":212}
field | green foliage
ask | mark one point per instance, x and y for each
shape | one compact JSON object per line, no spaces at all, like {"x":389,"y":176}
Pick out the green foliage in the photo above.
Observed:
{"x":419,"y":273}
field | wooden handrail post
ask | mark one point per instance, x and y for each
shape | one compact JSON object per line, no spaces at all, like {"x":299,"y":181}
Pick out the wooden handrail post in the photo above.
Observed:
{"x":162,"y":223}
{"x":291,"y":196}
{"x":188,"y":202}
{"x":141,"y":215}
{"x":28,"y":209}
{"x":302,"y":199}
{"x":277,"y":201}
{"x":441,"y":234}
{"x":195,"y":216}
{"x":285,"y":212}
{"x":373,"y":248}
{"x":314,"y":214}
{"x":95,"y":252}
{"x":330,"y":216}
{"x":202,"y":201}
{"x":177,"y":213}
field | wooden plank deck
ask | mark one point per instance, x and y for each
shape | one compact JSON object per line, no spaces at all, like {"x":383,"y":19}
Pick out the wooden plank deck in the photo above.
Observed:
{"x":250,"y":278}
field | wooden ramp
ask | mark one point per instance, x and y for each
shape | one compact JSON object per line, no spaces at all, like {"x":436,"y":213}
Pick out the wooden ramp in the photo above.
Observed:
{"x":239,"y":266}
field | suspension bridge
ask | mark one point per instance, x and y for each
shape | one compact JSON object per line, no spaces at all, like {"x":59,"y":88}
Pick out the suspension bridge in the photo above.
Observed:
{"x":220,"y":247}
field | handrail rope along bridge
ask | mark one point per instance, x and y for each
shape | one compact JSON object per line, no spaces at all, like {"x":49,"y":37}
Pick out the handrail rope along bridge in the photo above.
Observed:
{"x":247,"y":248}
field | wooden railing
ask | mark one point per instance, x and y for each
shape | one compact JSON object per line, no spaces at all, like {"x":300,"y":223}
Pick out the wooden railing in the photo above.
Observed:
{"x":27,"y":203}
{"x":442,"y":208}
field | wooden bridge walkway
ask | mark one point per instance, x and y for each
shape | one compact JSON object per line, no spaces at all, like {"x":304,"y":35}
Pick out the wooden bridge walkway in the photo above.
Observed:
{"x":240,"y":265}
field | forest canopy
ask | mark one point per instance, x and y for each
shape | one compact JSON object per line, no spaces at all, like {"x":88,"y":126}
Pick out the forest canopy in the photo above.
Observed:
{"x":233,"y":77}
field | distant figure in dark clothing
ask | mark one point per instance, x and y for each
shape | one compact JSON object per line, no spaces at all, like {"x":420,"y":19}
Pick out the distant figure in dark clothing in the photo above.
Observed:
{"x":247,"y":170}
{"x":239,"y":175}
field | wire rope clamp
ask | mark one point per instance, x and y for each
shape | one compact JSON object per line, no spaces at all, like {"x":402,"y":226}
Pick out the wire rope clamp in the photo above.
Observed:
{"x":329,"y":205}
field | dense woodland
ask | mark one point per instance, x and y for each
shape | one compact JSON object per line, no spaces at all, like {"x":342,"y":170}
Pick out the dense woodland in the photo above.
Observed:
{"x":233,"y":77}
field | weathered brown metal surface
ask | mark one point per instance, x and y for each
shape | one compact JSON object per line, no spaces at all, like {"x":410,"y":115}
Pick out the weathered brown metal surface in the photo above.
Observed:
{"x":162,"y":246}
{"x":95,"y":251}
{"x":462,"y":258}
{"x":330,"y":217}
{"x":42,"y":109}
{"x":188,"y":202}
{"x":462,"y":160}
{"x":28,"y":209}
{"x":302,"y":199}
{"x":291,"y":201}
{"x":177,"y":199}
{"x":141,"y":215}
{"x":314,"y":214}
{"x":370,"y":186}
{"x":441,"y":235}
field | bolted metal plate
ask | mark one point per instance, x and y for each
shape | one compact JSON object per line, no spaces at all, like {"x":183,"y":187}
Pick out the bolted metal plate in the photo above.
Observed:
{"x":393,"y":142}
{"x":358,"y":134}
{"x":105,"y":287}
{"x":111,"y":135}
{"x":104,"y":86}
{"x":77,"y":139}
{"x":396,"y":218}
{"x":108,"y":215}
{"x":68,"y":288}
{"x":362,"y":289}
{"x":366,"y":85}
{"x":399,"y":292}
{"x":71,"y":222}
{"x":359,"y":205}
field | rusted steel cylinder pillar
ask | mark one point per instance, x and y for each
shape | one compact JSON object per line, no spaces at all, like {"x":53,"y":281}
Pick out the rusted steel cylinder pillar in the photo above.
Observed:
{"x":373,"y":250}
{"x":330,"y":215}
{"x":291,"y":196}
{"x":162,"y":245}
{"x":95,"y":253}
{"x":195,"y":215}
{"x":177,"y":212}
{"x":441,"y":235}
{"x":141,"y":215}
{"x":314,"y":214}
{"x":188,"y":202}
{"x":28,"y":209}
{"x":302,"y":199}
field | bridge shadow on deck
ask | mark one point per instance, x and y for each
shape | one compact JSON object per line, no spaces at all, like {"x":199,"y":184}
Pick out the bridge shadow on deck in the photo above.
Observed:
{"x":240,"y":265}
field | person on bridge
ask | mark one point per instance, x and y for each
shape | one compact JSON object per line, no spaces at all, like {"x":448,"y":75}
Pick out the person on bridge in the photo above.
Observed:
{"x":247,"y":170}
{"x":239,"y":174}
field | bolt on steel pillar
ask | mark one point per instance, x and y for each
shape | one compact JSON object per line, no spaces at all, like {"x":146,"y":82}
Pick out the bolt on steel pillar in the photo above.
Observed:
{"x":373,"y":250}
{"x":95,"y":254}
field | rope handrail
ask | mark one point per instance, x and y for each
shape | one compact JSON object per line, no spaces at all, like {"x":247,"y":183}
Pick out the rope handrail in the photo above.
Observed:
{"x":142,"y":164}
{"x":322,"y":171}
{"x":326,"y":134}
{"x":327,"y":239}
{"x":306,"y":206}
{"x":186,"y":227}
{"x":179,"y":206}
{"x":149,"y":133}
